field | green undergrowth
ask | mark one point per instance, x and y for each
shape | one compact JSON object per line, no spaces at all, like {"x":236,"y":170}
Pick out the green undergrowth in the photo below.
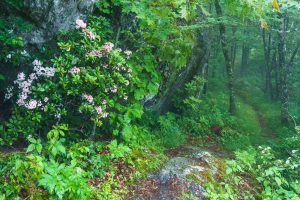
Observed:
{"x":265,"y":167}
{"x":243,"y":128}
{"x":81,"y":170}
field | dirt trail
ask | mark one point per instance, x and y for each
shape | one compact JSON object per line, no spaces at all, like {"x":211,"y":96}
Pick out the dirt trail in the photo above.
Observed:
{"x":267,"y":131}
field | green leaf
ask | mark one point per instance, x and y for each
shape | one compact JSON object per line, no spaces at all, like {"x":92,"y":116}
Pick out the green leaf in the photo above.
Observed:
{"x":61,"y":148}
{"x":30,"y":148}
{"x":54,"y":151}
{"x":32,"y":140}
{"x":39,"y":148}
{"x":278,"y":180}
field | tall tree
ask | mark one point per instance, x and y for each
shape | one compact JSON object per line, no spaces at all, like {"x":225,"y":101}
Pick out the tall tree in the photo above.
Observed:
{"x":227,"y":57}
{"x":285,"y":64}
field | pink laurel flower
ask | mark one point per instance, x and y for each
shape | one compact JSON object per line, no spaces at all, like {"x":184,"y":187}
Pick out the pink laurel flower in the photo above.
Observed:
{"x":32,"y":104}
{"x":49,"y":72}
{"x":99,"y":110}
{"x":91,"y":35}
{"x":104,"y":115}
{"x":89,"y":98}
{"x":114,"y":89}
{"x":107,"y":47}
{"x":9,"y":92}
{"x":37,"y":63}
{"x":127,"y":52}
{"x":80,"y":24}
{"x":74,"y":70}
{"x":32,"y":76}
{"x":20,"y":102}
{"x":21,"y":76}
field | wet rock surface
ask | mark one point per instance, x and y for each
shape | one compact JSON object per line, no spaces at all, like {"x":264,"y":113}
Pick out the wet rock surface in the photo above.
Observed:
{"x":52,"y":16}
{"x":187,"y":171}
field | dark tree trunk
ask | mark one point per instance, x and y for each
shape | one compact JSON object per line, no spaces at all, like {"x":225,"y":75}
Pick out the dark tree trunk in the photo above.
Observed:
{"x":227,"y":58}
{"x":233,"y":49}
{"x":267,"y":40}
{"x":193,"y":68}
{"x":245,"y":60}
{"x":205,"y":73}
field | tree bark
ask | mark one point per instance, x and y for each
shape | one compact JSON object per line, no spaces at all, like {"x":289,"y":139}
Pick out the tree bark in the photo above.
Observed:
{"x":194,"y":66}
{"x":267,"y":39}
{"x":228,"y":63}
{"x":283,"y":70}
{"x":245,"y":60}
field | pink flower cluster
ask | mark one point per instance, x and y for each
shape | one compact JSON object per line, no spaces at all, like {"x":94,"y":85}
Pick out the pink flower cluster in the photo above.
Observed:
{"x":9,"y":92}
{"x":127,"y":52}
{"x":96,"y":53}
{"x":107,"y":47}
{"x":25,"y":88}
{"x":80,"y":24}
{"x":25,"y":85}
{"x":114,"y":89}
{"x":74,"y":70}
{"x":32,"y":104}
{"x":42,"y":71}
{"x":89,"y":98}
{"x":90,"y":34}
{"x":99,"y":110}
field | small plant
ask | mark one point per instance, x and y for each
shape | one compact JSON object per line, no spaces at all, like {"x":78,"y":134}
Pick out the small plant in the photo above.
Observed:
{"x":65,"y":182}
{"x":169,"y":131}
{"x":35,"y":145}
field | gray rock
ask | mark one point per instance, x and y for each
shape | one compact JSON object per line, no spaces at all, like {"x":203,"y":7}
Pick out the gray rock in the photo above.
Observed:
{"x":52,"y":16}
{"x":189,"y":163}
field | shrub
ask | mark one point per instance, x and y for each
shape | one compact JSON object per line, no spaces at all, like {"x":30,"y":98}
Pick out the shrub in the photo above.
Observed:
{"x":91,"y":84}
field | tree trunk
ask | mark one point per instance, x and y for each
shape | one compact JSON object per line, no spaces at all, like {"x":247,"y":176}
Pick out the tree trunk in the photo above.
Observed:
{"x":245,"y":60}
{"x":205,"y":73}
{"x":283,"y":71}
{"x":267,"y":39}
{"x":193,"y":68}
{"x":227,"y":58}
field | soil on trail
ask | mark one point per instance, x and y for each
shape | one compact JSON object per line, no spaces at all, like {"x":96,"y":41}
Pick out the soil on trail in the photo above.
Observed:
{"x":267,"y":131}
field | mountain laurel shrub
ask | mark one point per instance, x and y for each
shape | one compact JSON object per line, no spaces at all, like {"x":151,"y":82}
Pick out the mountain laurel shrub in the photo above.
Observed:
{"x":90,"y":84}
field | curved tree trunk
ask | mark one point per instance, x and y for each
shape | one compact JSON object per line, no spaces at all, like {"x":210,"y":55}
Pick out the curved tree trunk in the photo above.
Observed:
{"x":197,"y":61}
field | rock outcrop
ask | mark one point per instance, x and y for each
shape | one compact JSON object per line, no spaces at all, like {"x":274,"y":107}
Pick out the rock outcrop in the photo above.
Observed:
{"x":51,"y":16}
{"x":187,"y":171}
